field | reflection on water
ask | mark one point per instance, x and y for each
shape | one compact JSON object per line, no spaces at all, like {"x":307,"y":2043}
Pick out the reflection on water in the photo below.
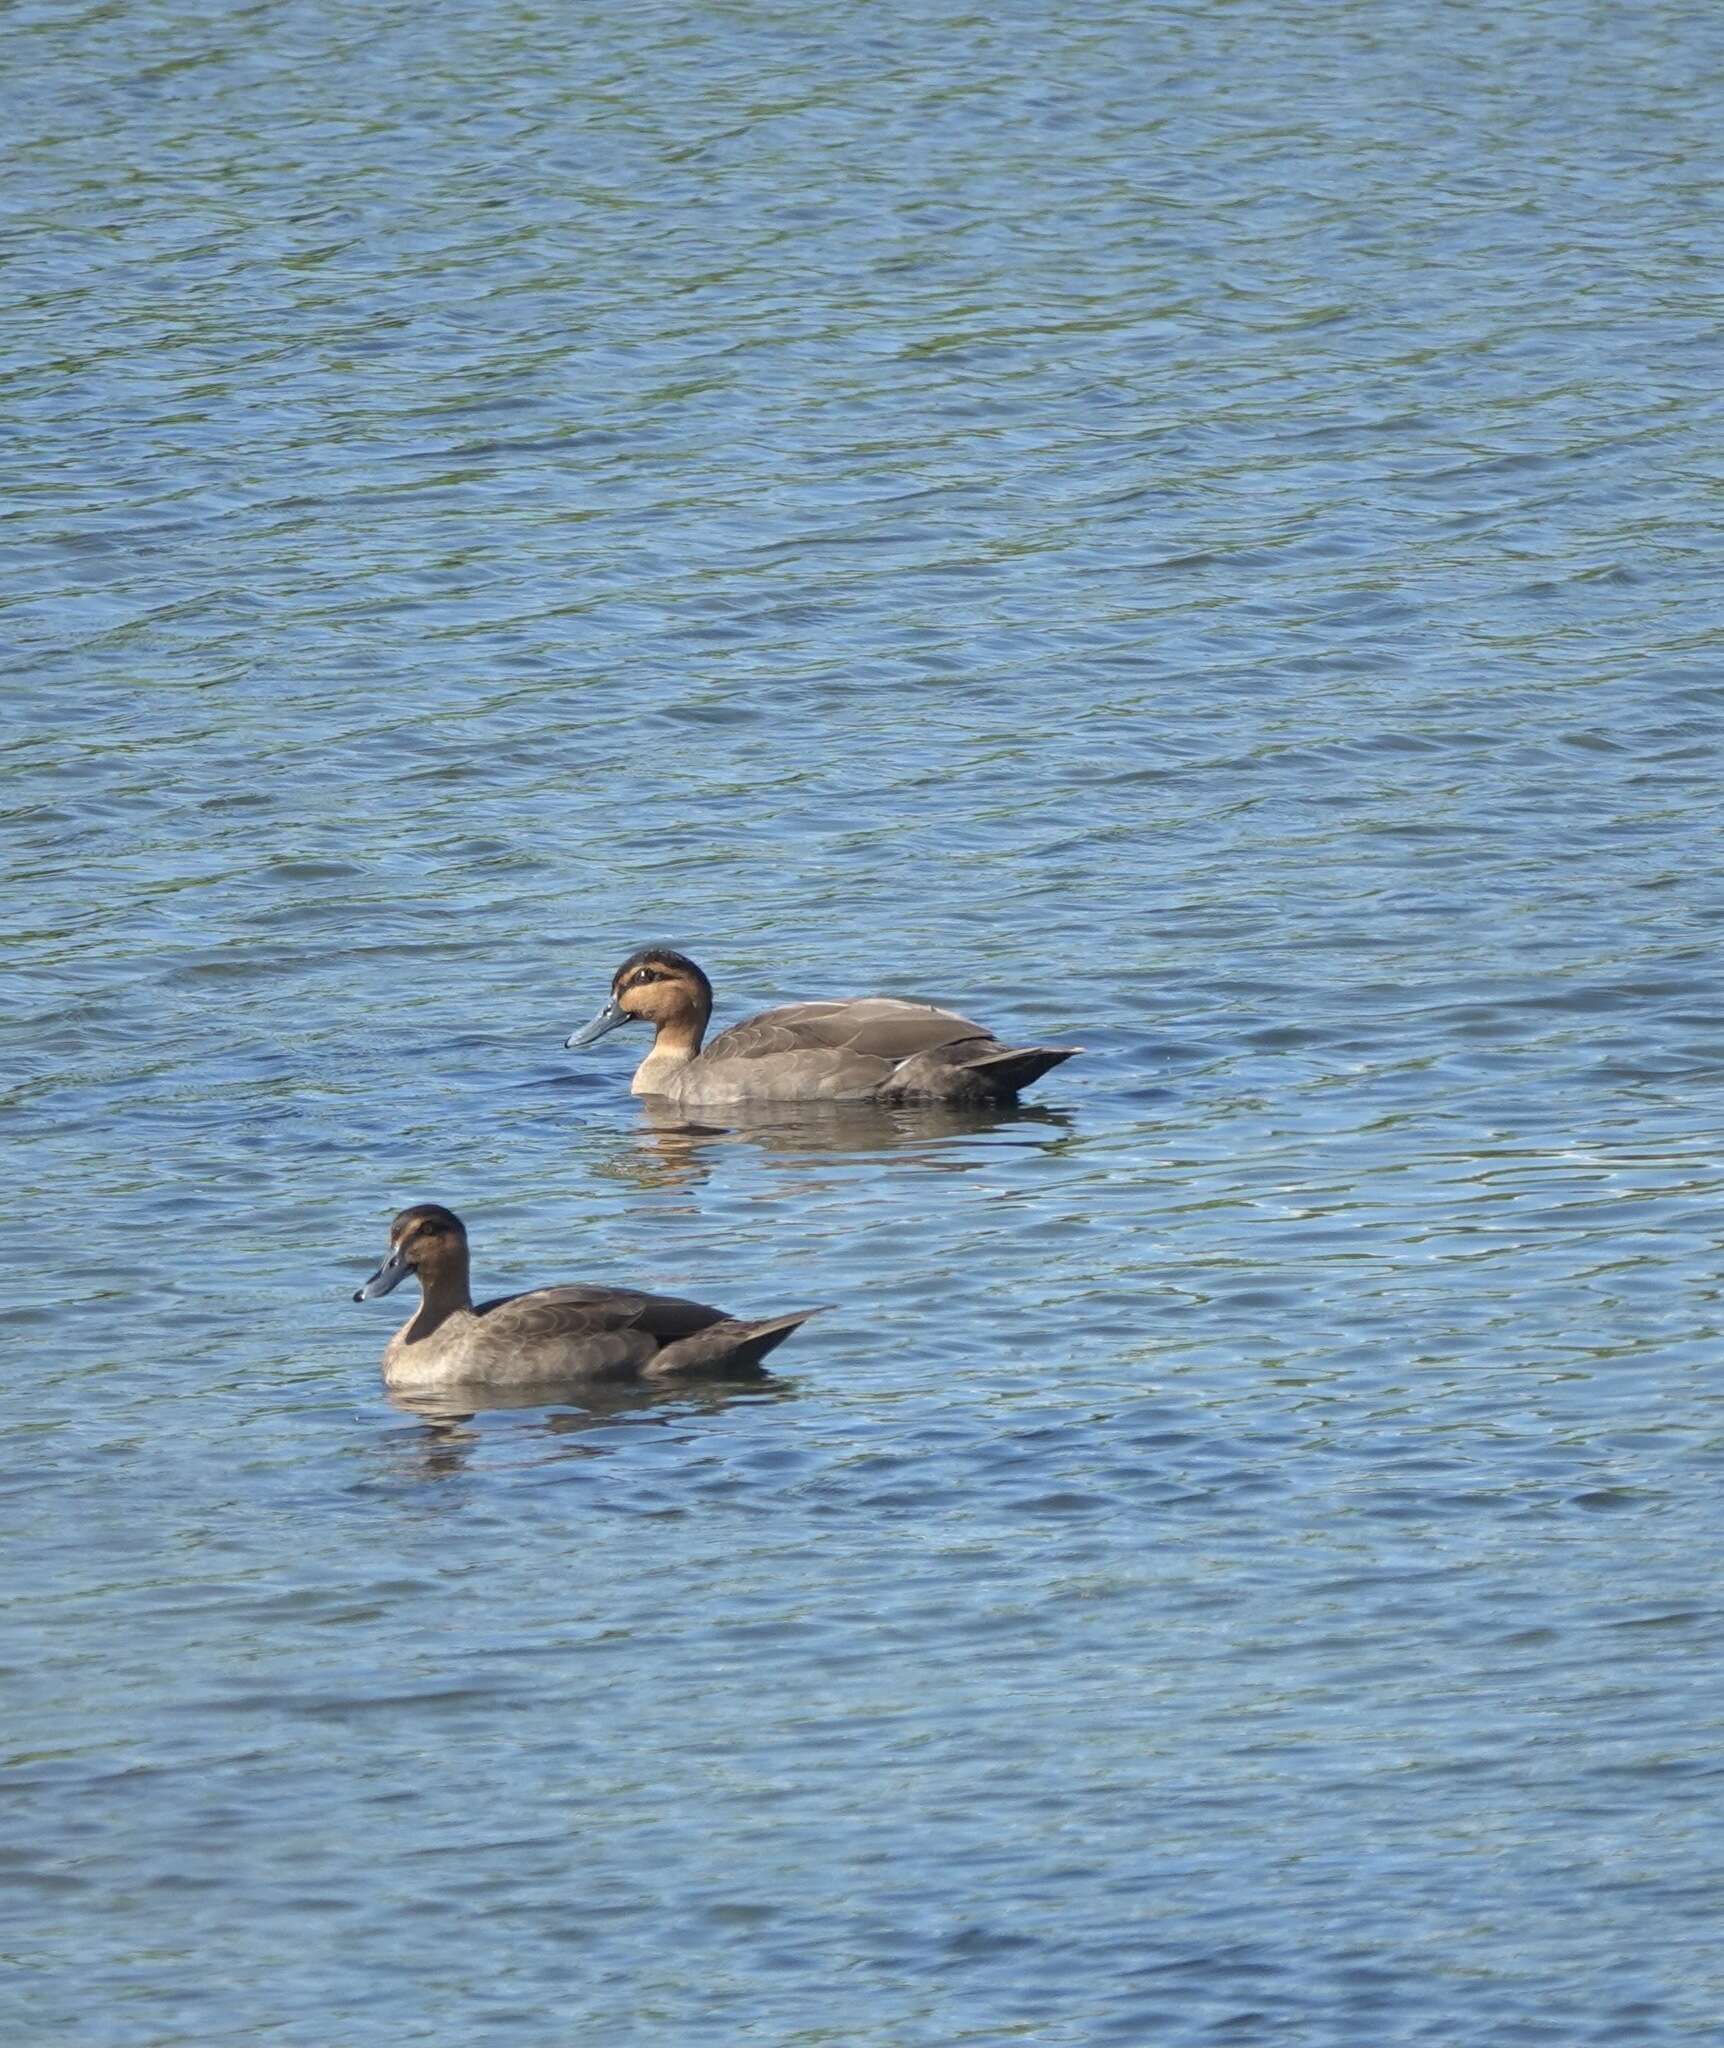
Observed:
{"x":570,"y":1422}
{"x":670,"y":1151}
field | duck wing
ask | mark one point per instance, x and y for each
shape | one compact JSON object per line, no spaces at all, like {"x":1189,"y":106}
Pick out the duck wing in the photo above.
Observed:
{"x":576,"y":1311}
{"x":871,"y":1027}
{"x":616,"y":1332}
{"x":586,"y":1332}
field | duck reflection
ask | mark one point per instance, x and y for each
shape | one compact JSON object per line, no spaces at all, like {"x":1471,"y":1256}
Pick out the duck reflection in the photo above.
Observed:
{"x":573,"y":1423}
{"x":671,"y":1150}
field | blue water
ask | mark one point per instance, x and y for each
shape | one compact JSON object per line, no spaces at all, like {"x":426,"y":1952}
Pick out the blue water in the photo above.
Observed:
{"x":1192,"y":531}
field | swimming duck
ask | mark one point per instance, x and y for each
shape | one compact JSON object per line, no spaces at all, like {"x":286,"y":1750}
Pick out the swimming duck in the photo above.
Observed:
{"x":869,"y":1049}
{"x":553,"y":1334}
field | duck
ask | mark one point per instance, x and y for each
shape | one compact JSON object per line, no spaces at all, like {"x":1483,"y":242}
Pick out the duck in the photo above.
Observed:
{"x":550,"y":1335}
{"x":876,"y":1049}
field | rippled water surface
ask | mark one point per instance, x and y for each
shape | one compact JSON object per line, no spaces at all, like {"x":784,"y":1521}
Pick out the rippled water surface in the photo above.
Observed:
{"x":1193,"y":530}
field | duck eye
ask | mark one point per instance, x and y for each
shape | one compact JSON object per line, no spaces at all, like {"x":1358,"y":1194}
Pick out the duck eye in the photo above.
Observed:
{"x":645,"y":975}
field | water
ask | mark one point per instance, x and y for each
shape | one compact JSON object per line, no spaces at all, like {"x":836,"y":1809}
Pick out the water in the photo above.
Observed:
{"x":1190,"y":530}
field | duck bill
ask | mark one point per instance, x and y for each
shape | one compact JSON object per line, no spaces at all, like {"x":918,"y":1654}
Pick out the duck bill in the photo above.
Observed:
{"x":388,"y":1276}
{"x":611,"y":1018}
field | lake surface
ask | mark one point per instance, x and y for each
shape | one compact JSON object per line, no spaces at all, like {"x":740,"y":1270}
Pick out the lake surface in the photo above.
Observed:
{"x":1193,"y":531}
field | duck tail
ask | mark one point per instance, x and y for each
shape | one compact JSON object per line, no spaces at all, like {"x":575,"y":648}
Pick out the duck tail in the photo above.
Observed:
{"x":1017,"y":1066}
{"x":730,"y":1346}
{"x":756,"y":1339}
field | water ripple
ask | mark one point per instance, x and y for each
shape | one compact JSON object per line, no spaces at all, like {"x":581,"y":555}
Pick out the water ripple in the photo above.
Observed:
{"x":1190,"y":531}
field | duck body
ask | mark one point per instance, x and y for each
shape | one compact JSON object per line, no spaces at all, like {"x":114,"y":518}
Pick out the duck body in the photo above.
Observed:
{"x":552,"y":1336}
{"x":866,"y":1049}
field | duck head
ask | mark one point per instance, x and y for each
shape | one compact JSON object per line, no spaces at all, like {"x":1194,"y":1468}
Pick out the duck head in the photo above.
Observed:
{"x":428,"y":1241}
{"x":659,"y":987}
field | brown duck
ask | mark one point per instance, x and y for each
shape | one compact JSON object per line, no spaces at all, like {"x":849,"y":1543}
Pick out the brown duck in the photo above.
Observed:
{"x":867,"y":1049}
{"x":553,"y":1335}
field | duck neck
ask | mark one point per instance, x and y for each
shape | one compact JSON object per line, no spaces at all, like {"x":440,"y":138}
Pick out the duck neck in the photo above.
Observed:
{"x":675,"y":1042}
{"x":444,"y":1292}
